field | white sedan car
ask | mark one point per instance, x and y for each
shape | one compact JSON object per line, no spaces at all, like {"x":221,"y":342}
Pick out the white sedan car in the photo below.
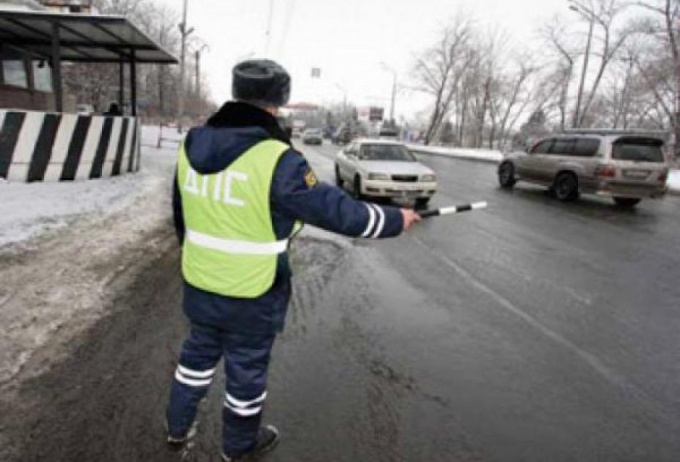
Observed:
{"x":384,"y":168}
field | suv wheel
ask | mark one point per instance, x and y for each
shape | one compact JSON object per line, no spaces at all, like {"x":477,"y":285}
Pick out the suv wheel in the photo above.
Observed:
{"x":566,"y":187}
{"x":627,"y":202}
{"x":506,"y":175}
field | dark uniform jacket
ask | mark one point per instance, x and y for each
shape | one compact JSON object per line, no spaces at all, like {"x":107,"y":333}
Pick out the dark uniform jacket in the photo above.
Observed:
{"x":295,"y":194}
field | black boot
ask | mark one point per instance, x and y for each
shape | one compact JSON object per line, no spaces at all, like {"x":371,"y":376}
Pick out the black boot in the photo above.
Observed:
{"x":267,"y":439}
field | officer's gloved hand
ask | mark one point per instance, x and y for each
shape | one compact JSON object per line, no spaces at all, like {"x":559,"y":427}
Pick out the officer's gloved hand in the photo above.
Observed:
{"x":410,"y":218}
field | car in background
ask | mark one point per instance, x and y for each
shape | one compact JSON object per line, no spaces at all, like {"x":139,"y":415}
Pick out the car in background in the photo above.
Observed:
{"x":312,"y":136}
{"x":386,"y":169}
{"x":342,"y":135}
{"x":296,"y":132}
{"x":625,"y":166}
{"x":328,"y":132}
{"x":388,"y":133}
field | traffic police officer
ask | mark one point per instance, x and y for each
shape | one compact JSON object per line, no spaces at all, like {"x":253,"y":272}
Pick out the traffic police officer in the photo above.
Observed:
{"x":241,"y":193}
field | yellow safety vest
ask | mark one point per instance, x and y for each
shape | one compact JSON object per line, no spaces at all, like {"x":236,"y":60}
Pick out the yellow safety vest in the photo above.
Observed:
{"x":230,"y":247}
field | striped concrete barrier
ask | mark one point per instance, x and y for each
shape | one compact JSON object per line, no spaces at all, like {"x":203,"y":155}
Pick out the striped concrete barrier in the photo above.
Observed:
{"x":41,"y":146}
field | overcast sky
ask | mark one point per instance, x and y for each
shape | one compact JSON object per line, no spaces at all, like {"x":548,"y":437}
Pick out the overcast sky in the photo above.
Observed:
{"x":347,"y":39}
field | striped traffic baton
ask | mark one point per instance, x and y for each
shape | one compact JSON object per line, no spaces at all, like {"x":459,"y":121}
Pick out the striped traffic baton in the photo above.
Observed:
{"x":452,"y":209}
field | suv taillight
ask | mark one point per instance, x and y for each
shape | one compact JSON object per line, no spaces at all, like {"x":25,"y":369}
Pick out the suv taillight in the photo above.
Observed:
{"x":663,"y":177}
{"x":606,"y":171}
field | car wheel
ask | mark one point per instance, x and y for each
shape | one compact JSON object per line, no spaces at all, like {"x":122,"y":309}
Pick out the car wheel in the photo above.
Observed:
{"x":338,"y":178}
{"x":506,"y":175}
{"x":566,"y":187}
{"x":356,"y":187}
{"x":627,"y":202}
{"x":422,"y":203}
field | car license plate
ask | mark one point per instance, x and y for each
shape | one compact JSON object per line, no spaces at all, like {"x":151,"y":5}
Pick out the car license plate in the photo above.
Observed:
{"x":636,"y":174}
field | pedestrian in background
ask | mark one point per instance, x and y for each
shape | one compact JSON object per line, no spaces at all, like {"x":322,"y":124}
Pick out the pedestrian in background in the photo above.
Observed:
{"x":241,"y":193}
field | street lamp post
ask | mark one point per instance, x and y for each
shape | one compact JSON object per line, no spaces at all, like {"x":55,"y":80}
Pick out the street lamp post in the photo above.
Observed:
{"x":576,"y":121}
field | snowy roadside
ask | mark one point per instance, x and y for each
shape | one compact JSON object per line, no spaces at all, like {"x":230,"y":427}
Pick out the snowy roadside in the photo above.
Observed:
{"x":67,"y":249}
{"x":486,"y":155}
{"x":674,"y":181}
{"x":29,"y":209}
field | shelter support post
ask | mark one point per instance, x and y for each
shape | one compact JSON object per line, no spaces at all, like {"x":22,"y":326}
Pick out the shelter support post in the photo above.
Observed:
{"x":56,"y":69}
{"x":133,"y":83}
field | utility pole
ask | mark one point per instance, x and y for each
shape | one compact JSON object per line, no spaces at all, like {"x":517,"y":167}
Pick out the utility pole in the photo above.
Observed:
{"x":576,"y":121}
{"x":198,"y":69}
{"x":182,"y":56}
{"x":344,"y":101}
{"x":394,"y":94}
{"x":394,"y":90}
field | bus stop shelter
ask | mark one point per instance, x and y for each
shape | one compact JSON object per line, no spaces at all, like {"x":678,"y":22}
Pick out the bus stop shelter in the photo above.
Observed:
{"x":57,"y":37}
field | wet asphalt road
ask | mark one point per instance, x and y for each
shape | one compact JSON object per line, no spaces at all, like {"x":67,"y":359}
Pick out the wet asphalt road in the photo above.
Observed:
{"x":531,"y":331}
{"x":547,"y":331}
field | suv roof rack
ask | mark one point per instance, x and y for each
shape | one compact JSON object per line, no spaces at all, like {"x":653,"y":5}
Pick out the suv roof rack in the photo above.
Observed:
{"x":616,"y":131}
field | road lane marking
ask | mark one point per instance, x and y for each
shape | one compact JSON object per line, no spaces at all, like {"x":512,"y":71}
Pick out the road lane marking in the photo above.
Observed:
{"x":606,"y":372}
{"x":657,"y":407}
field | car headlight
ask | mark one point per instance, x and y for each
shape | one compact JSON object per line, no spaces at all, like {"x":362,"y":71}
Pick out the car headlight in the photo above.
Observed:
{"x":428,"y":177}
{"x":378,"y":176}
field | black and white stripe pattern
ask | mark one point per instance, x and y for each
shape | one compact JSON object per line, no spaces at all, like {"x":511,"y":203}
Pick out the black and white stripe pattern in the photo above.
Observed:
{"x":194,"y":378}
{"x":376,"y":221}
{"x":453,"y":209}
{"x":244,"y":408}
{"x":40,"y":146}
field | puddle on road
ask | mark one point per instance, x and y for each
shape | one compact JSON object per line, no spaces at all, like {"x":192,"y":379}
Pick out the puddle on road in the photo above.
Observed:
{"x":338,"y":327}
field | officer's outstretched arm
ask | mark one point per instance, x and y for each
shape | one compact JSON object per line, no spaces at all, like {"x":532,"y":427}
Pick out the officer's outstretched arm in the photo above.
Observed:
{"x":298,"y":194}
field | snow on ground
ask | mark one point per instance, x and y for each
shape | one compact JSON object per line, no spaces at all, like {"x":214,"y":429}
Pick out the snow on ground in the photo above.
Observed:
{"x":28,"y":209}
{"x":66,"y":248}
{"x":674,"y":180}
{"x":496,"y":156}
{"x":488,"y":155}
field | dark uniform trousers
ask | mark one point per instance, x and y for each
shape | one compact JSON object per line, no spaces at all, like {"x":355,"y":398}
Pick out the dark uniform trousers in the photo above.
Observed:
{"x":246,"y":358}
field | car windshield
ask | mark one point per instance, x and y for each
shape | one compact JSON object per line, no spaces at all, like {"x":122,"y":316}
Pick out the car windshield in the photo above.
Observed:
{"x":638,"y":149}
{"x":386,"y":152}
{"x":313,"y":132}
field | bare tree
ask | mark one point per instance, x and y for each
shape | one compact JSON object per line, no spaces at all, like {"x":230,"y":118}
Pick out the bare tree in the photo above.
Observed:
{"x":511,"y":98}
{"x":439,"y":71}
{"x":554,"y":33}
{"x":603,"y":13}
{"x":661,"y":71}
{"x":157,"y":85}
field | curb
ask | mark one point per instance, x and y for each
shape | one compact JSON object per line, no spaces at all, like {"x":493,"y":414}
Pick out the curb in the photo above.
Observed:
{"x":452,"y":156}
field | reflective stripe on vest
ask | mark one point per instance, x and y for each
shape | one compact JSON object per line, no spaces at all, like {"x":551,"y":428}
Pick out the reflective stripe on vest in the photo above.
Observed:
{"x":230,"y":247}
{"x":236,"y":247}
